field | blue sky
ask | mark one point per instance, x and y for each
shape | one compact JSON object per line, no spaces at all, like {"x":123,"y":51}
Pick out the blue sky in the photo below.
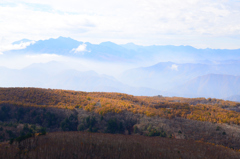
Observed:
{"x":199,"y":23}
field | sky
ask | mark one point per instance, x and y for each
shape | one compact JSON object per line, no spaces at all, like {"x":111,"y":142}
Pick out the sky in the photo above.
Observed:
{"x":199,"y":23}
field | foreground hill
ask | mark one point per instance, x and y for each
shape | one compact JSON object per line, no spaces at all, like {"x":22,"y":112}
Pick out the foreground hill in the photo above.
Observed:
{"x":62,"y":145}
{"x":25,"y":111}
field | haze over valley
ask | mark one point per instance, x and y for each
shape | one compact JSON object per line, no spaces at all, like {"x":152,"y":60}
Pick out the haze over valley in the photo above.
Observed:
{"x":65,"y":63}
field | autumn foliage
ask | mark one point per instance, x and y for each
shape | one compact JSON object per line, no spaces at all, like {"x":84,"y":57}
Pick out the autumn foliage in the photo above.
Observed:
{"x":201,"y":109}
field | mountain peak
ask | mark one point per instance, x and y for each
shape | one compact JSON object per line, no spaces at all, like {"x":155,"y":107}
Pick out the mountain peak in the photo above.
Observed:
{"x":61,"y":37}
{"x":107,"y":43}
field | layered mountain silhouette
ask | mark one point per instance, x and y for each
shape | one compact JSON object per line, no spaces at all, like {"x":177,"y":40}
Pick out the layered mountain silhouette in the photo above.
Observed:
{"x":108,"y":51}
{"x":211,"y":85}
{"x":166,"y":75}
{"x":59,"y":76}
{"x":189,"y":72}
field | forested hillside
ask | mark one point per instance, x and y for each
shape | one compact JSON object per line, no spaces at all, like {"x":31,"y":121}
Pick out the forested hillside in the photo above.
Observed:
{"x":212,"y":110}
{"x":25,"y":112}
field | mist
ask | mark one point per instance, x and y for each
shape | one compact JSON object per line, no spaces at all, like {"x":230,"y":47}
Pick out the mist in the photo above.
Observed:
{"x":65,"y":63}
{"x":80,"y":64}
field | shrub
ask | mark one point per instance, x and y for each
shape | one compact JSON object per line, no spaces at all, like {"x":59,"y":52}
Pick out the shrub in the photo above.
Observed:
{"x":69,"y":124}
{"x":81,"y":127}
{"x":163,"y":134}
{"x":92,"y":129}
{"x":20,"y":113}
{"x":10,"y":133}
{"x":154,"y":132}
{"x":149,"y":128}
{"x":50,"y":119}
{"x":23,"y":137}
{"x":135,"y":129}
{"x":33,"y":127}
{"x":2,"y":136}
{"x":114,"y":127}
{"x":4,"y":113}
{"x":90,"y":121}
{"x":43,"y":131}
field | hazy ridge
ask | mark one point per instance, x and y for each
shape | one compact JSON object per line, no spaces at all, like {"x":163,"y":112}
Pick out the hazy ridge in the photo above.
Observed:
{"x":127,"y":68}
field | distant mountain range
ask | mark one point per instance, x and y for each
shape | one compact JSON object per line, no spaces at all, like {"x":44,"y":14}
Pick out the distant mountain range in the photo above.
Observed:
{"x":59,"y":76}
{"x":189,"y":72}
{"x":234,"y":98}
{"x":108,"y":51}
{"x":55,"y":75}
{"x":167,"y":75}
{"x":211,"y":85}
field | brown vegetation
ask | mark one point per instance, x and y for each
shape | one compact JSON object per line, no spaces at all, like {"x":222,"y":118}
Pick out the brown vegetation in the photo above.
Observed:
{"x":63,"y":145}
{"x":208,"y":120}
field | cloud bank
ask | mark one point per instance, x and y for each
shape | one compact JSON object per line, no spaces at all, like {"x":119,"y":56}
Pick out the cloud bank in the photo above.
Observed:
{"x":19,"y":46}
{"x":200,"y":23}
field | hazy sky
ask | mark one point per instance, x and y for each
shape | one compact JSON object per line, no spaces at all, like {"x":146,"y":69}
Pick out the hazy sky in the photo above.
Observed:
{"x":199,"y":23}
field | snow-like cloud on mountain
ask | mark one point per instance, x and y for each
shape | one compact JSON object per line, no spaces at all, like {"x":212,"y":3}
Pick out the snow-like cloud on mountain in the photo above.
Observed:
{"x":80,"y":48}
{"x":174,"y":67}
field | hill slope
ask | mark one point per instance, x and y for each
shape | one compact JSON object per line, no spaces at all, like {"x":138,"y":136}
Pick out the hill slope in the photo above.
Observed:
{"x":209,"y":120}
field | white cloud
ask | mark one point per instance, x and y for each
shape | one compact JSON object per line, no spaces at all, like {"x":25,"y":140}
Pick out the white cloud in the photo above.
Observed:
{"x":174,"y":67}
{"x":15,"y":46}
{"x":1,"y":53}
{"x":187,"y":22}
{"x":80,"y":48}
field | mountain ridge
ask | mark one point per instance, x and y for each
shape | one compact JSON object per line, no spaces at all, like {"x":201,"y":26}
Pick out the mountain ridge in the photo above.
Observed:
{"x":128,"y":52}
{"x":41,"y":75}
